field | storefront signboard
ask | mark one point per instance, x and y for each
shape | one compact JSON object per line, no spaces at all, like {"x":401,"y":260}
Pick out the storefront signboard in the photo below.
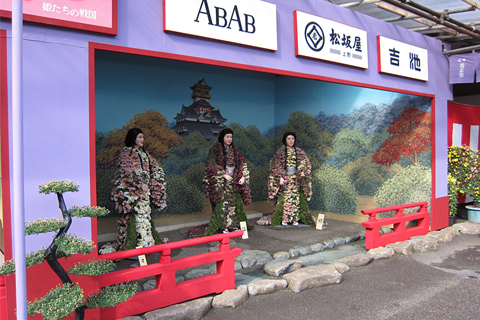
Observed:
{"x":247,"y":22}
{"x":402,"y":59}
{"x":325,"y":39}
{"x":90,"y":15}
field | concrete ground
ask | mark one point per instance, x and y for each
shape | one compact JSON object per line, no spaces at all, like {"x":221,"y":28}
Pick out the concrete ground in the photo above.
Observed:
{"x":444,"y":284}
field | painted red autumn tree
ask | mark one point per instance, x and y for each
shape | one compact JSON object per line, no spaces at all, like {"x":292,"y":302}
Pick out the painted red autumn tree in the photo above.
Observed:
{"x":411,"y":135}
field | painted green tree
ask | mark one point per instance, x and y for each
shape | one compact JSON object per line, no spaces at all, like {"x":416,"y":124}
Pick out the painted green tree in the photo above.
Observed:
{"x":349,"y":145}
{"x":191,"y":150}
{"x":311,"y":138}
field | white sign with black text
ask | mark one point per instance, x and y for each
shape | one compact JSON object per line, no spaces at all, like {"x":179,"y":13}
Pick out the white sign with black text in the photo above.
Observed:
{"x":402,"y":59}
{"x":325,"y":39}
{"x":248,"y":22}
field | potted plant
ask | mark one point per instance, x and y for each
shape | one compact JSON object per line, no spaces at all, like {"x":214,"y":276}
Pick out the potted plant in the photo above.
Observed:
{"x":69,"y":298}
{"x":463,"y":168}
{"x":474,"y":192}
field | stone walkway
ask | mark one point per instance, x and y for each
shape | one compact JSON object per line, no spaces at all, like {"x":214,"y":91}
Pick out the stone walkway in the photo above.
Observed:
{"x":299,"y":268}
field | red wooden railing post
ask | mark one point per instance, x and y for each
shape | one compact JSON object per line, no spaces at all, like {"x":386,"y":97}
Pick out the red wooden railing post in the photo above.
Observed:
{"x":3,"y":298}
{"x":224,"y":245}
{"x":167,"y":280}
{"x":401,"y":226}
{"x":373,"y":239}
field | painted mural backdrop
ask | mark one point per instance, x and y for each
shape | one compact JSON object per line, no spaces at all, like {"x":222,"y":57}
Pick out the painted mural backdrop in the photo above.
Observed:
{"x":368,"y":148}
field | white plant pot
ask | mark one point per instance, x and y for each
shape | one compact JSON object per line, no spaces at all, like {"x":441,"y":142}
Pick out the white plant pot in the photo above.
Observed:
{"x":473,"y":214}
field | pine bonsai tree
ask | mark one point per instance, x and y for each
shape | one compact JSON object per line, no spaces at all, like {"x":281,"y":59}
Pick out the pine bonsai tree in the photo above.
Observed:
{"x":65,"y":299}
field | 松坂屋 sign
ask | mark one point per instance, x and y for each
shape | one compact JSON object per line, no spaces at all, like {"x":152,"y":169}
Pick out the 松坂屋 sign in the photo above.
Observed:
{"x":325,"y":39}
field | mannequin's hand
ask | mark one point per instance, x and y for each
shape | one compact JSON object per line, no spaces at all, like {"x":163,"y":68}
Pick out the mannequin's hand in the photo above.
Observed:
{"x":241,"y":181}
{"x":282,"y":181}
{"x":227,"y":177}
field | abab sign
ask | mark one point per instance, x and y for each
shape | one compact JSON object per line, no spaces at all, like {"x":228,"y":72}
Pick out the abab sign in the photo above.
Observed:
{"x":248,"y":22}
{"x":324,"y":39}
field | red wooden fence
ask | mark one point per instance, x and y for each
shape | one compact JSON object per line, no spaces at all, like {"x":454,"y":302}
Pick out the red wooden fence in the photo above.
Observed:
{"x":373,"y":238}
{"x":167,"y":290}
{"x":3,"y":298}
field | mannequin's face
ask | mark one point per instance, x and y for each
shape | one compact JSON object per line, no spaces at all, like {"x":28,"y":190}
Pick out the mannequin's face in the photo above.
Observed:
{"x":227,"y":140}
{"x":290,"y":141}
{"x":139,"y":141}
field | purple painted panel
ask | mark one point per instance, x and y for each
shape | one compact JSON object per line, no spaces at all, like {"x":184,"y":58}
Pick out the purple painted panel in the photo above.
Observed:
{"x":56,"y":85}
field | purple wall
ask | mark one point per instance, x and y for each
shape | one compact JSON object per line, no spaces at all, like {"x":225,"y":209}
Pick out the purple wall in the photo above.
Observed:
{"x":56,"y":87}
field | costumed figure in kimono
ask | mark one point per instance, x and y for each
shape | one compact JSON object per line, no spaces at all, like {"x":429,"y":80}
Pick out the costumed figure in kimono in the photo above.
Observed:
{"x":226,"y":184}
{"x":139,"y":185}
{"x":290,"y":183}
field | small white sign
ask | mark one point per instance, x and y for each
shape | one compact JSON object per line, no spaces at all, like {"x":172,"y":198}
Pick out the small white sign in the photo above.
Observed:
{"x":320,"y":221}
{"x":401,"y":59}
{"x":243,"y":226}
{"x":248,"y":22}
{"x":142,"y":260}
{"x":325,"y":39}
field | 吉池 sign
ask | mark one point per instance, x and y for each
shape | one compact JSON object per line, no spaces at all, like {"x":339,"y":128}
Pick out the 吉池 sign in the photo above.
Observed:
{"x":324,"y":39}
{"x":247,"y":22}
{"x":401,"y":59}
{"x":91,"y":15}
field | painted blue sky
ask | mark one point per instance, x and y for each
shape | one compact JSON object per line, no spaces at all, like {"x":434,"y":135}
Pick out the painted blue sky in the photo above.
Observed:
{"x":128,"y":84}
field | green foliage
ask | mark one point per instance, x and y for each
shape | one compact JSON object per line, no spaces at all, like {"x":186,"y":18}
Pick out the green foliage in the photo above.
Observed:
{"x":36,"y":257}
{"x":349,"y":145}
{"x":259,"y":182}
{"x":368,"y":177}
{"x":183,"y":197}
{"x":216,"y":220}
{"x":305,"y":215}
{"x":194,"y":174}
{"x":333,"y":191}
{"x":87,"y":211}
{"x":410,"y":185}
{"x":7,"y":267}
{"x":104,"y":188}
{"x":278,"y":211}
{"x":423,"y":159}
{"x":92,"y":267}
{"x":463,"y":168}
{"x":311,"y":138}
{"x":112,"y":295}
{"x":131,"y":236}
{"x":191,"y":150}
{"x":377,"y":138}
{"x":254,"y":146}
{"x":240,"y":209}
{"x":58,"y":303}
{"x":70,"y":244}
{"x":63,"y":300}
{"x":31,"y":259}
{"x":58,"y":186}
{"x":43,"y":226}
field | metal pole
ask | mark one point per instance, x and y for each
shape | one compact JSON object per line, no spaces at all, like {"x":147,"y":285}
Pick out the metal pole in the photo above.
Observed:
{"x":17,"y":157}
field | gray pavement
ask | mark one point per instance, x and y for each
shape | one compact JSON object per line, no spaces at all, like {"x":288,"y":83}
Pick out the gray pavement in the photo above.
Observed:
{"x":435,"y":285}
{"x":443,"y":284}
